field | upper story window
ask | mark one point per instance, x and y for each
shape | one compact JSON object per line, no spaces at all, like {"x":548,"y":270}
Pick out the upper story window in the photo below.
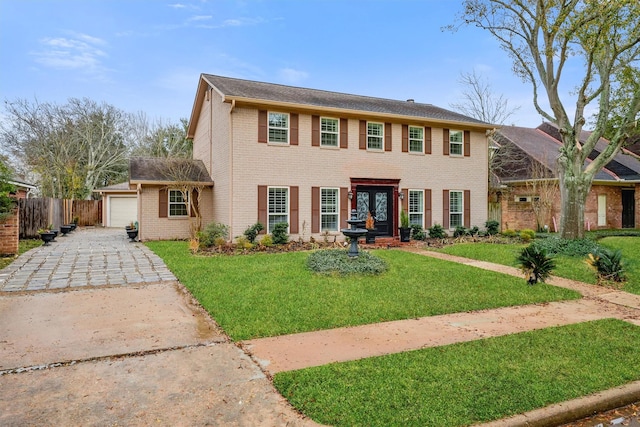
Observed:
{"x":329,"y":132}
{"x":278,"y":206}
{"x":278,"y":128}
{"x":375,"y":136}
{"x":456,"y":206}
{"x":178,"y":203}
{"x":416,"y":139}
{"x":329,"y":209}
{"x":456,"y":139}
{"x":416,"y":207}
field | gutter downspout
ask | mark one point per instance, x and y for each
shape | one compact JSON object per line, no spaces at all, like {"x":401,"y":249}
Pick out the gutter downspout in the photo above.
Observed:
{"x":210,"y":100}
{"x":139,"y":201}
{"x":233,"y":106}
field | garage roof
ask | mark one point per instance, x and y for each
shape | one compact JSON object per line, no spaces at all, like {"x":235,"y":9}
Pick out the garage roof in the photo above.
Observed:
{"x":144,"y":170}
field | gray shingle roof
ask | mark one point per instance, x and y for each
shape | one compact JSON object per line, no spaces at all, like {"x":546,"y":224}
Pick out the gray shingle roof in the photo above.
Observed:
{"x":541,"y":144}
{"x":232,"y":87}
{"x":143,"y":169}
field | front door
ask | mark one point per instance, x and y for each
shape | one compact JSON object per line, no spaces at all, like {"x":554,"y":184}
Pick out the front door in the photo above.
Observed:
{"x":378,"y":201}
{"x":628,"y":208}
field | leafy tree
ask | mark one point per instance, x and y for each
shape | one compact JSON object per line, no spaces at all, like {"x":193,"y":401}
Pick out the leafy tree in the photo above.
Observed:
{"x":545,"y":37}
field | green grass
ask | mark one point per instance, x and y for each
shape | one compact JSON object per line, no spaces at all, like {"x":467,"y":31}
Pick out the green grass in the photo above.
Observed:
{"x":471,"y":382}
{"x":569,"y":267}
{"x":274,"y":294}
{"x":23,"y":246}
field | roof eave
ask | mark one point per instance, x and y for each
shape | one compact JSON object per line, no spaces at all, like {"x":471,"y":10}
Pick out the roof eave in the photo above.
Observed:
{"x":155,"y":182}
{"x":359,"y":113}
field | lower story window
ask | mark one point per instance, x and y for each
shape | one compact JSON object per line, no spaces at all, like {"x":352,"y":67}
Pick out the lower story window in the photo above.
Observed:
{"x":416,"y":207}
{"x":178,"y":203}
{"x":456,"y":208}
{"x":329,"y":209}
{"x":278,"y":206}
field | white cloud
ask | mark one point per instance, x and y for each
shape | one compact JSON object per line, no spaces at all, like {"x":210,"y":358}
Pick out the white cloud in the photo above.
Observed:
{"x":291,"y":76}
{"x":177,"y":6}
{"x":200,"y":18}
{"x":78,"y":52}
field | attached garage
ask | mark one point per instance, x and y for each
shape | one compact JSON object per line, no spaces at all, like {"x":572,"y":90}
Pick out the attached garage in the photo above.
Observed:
{"x":123,"y":210}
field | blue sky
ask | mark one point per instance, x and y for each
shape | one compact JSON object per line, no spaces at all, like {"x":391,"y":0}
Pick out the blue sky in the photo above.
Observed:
{"x":147,"y":55}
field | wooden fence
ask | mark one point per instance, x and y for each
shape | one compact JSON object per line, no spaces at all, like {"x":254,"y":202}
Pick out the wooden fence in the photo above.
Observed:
{"x":41,"y":212}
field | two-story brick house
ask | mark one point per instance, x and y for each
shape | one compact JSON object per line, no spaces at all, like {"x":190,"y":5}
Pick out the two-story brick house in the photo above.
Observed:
{"x":307,"y":157}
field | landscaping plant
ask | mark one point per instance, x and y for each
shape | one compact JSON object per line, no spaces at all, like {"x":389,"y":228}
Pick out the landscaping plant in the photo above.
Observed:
{"x":336,"y":261}
{"x":252,"y":232}
{"x":213,"y":234}
{"x":417,"y":232}
{"x":437,"y":232}
{"x":607,"y":264}
{"x":279,"y":233}
{"x":493,"y":227}
{"x":535,"y":264}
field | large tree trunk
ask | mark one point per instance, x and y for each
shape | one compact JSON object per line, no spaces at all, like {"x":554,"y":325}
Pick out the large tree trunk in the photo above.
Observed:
{"x":574,"y":187}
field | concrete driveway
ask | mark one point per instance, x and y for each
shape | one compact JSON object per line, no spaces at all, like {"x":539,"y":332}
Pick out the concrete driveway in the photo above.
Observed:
{"x":94,"y":330}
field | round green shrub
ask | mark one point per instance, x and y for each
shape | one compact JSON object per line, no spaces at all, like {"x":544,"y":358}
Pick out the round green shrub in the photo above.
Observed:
{"x":336,"y":261}
{"x":509,"y":233}
{"x":527,"y":234}
{"x":437,"y":232}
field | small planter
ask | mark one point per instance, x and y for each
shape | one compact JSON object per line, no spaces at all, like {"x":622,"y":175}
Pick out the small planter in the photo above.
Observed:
{"x":370,"y":237}
{"x":132,"y":233}
{"x":405,"y":234}
{"x":55,"y":234}
{"x":47,"y":237}
{"x":64,"y":229}
{"x":73,"y":226}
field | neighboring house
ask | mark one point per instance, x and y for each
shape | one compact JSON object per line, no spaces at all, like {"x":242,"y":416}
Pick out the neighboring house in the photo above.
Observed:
{"x":157,"y":197}
{"x":527,"y":190}
{"x":307,"y":157}
{"x":24,"y":190}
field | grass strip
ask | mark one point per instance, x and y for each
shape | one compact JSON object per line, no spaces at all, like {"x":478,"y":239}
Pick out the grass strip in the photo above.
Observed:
{"x":23,"y":246}
{"x":470,"y":382}
{"x":568,"y":267}
{"x":264,"y":295}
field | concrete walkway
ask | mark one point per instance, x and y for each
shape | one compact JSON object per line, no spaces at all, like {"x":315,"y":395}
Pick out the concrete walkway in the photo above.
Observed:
{"x":94,"y":330}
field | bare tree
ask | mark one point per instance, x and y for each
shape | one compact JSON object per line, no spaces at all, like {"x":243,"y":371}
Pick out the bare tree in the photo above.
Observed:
{"x":72,"y":148}
{"x":161,"y":139}
{"x":543,"y":37}
{"x":543,"y":186}
{"x":479,"y":100}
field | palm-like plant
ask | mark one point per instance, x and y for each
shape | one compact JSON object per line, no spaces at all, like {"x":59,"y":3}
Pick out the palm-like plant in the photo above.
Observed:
{"x":607,"y":264}
{"x":535,"y":264}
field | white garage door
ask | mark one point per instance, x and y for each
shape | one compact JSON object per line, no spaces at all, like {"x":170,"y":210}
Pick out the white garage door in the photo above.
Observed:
{"x":122,"y":211}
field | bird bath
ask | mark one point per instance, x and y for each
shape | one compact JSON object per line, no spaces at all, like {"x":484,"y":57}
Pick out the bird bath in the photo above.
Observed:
{"x":353,"y":234}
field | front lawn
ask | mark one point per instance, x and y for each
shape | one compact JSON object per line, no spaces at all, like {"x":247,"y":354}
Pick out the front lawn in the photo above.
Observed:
{"x":470,"y":382}
{"x":264,"y":295}
{"x":568,"y":267}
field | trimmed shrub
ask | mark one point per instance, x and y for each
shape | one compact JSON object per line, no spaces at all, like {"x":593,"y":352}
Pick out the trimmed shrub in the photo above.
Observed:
{"x":212,"y":234}
{"x":509,"y":233}
{"x":535,"y":264}
{"x":252,"y":232}
{"x":493,"y":227}
{"x":417,"y":232}
{"x":336,"y":261}
{"x":437,"y":232}
{"x":460,"y":231}
{"x":607,"y":264}
{"x":266,"y":240}
{"x":527,"y":234}
{"x":279,"y":233}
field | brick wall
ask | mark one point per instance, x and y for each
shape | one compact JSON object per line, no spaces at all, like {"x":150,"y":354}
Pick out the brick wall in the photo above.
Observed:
{"x":519,"y":215}
{"x":9,"y":235}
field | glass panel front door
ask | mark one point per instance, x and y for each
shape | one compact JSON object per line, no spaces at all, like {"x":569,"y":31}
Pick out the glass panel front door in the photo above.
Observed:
{"x":378,"y":201}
